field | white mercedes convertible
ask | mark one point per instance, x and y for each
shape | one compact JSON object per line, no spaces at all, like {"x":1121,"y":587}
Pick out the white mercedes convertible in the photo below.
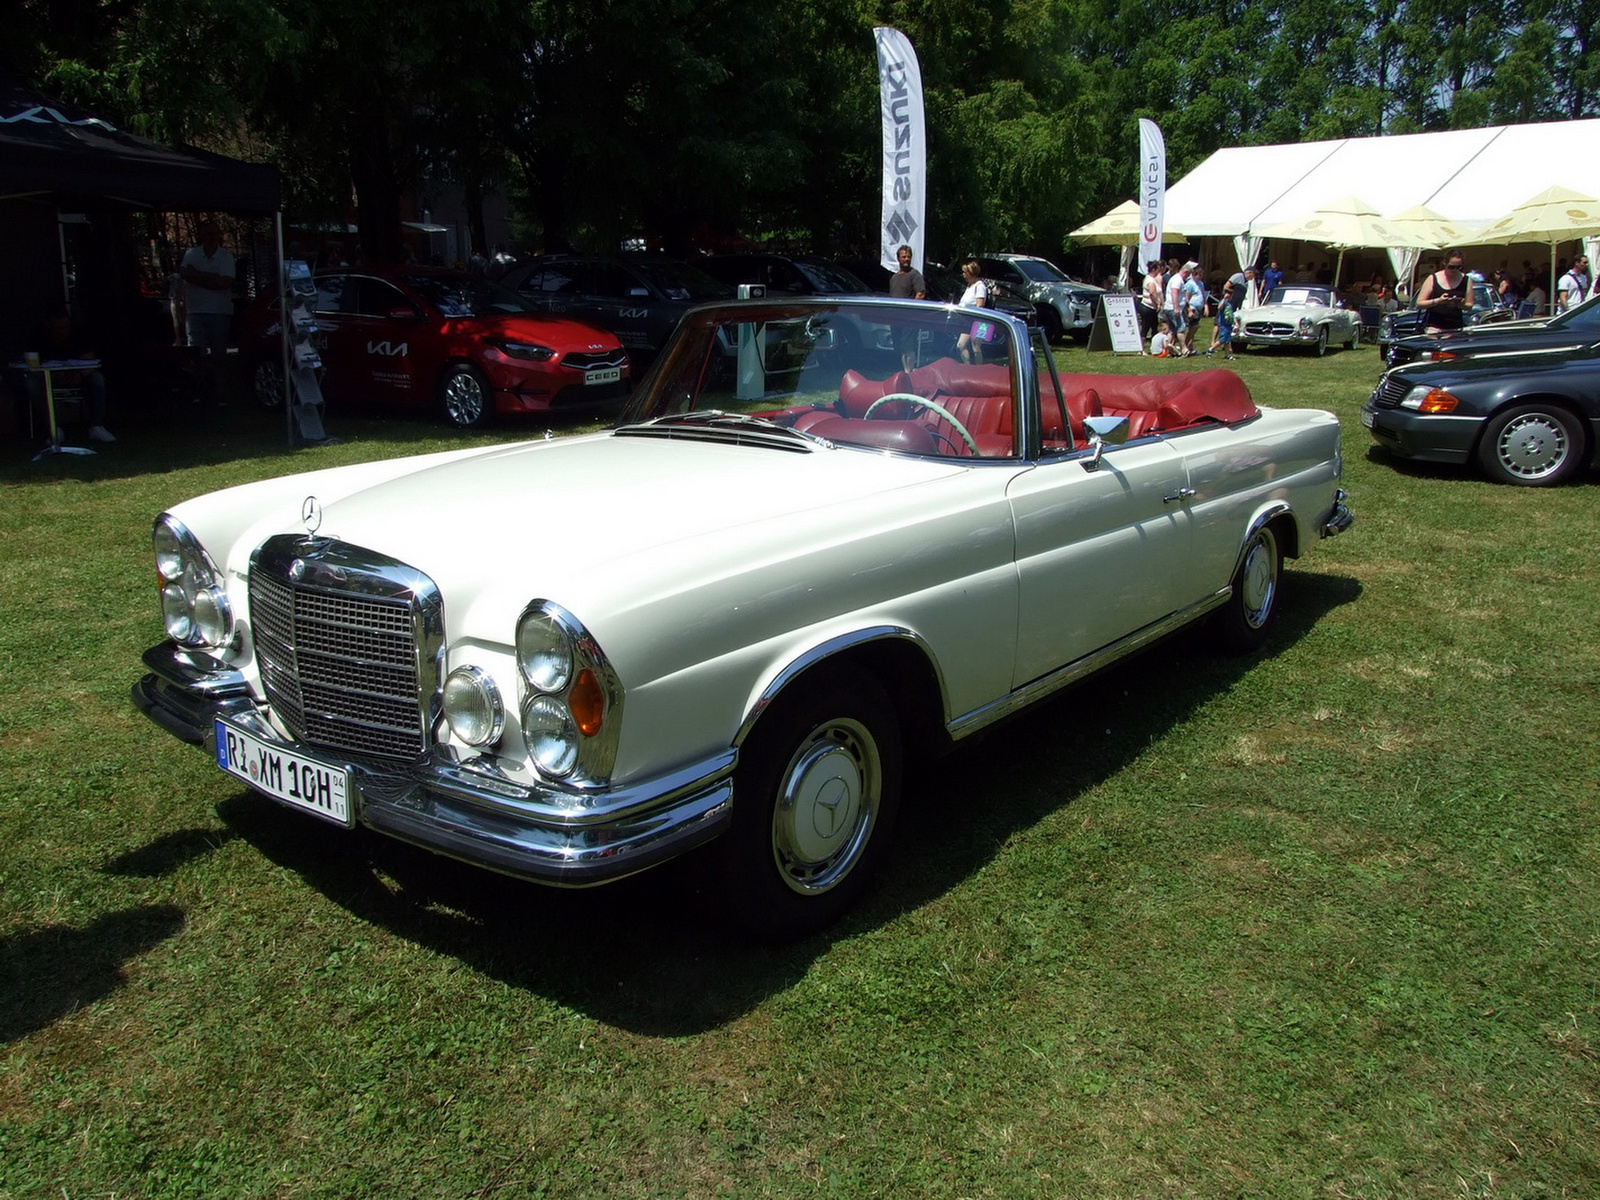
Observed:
{"x":876,"y":529}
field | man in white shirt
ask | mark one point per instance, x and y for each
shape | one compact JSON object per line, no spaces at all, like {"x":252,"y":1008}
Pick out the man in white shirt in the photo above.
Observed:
{"x":1574,"y":285}
{"x":207,"y":271}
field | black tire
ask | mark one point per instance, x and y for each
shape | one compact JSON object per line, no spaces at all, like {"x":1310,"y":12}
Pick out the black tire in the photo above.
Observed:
{"x":266,"y":383}
{"x":1247,"y":617}
{"x":465,"y":400}
{"x":1322,"y":341}
{"x":815,"y":797}
{"x":1532,"y":445}
{"x":1050,"y":321}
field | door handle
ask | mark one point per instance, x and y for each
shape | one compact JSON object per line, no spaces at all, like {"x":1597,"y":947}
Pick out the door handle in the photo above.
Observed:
{"x":1182,"y":496}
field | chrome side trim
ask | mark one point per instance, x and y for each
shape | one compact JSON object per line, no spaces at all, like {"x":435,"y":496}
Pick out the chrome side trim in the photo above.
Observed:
{"x":1073,"y":672}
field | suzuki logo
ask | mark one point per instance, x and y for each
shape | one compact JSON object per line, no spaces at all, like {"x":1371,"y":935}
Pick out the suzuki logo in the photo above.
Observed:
{"x":390,"y":349}
{"x":900,"y":226}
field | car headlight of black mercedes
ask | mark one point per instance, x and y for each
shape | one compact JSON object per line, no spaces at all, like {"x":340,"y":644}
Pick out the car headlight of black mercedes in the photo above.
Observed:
{"x":571,"y":698}
{"x":194,"y":603}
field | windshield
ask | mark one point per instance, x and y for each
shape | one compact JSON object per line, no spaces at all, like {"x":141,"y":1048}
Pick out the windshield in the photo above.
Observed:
{"x":830,"y":278}
{"x":680,"y":281}
{"x":911,"y":377}
{"x":1040,"y":271}
{"x":1583,"y":319}
{"x":465,"y":295}
{"x":1316,"y":297}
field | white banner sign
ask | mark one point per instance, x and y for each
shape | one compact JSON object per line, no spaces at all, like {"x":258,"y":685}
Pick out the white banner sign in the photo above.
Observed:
{"x":905,"y":148}
{"x":1122,"y":322}
{"x":1152,"y":191}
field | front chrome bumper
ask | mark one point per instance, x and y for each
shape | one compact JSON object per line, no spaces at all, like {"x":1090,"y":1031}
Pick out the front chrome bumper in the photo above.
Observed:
{"x":468,"y":809}
{"x":1339,"y":517}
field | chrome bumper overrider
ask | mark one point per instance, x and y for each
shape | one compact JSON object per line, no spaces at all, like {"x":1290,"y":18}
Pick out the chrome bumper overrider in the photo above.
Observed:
{"x":467,"y":809}
{"x":1339,"y":517}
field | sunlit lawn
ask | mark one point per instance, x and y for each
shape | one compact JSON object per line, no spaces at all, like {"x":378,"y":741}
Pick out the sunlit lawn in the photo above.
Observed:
{"x":1320,"y":923}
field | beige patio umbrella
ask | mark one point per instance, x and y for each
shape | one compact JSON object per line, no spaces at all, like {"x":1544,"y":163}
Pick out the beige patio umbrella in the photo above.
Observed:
{"x":1556,"y":214}
{"x":1119,"y":227}
{"x":1348,"y":223}
{"x":1420,"y":228}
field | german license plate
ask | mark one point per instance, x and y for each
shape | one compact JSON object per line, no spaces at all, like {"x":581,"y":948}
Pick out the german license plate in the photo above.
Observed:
{"x":602,"y":375}
{"x":1368,"y":418}
{"x":295,"y":779}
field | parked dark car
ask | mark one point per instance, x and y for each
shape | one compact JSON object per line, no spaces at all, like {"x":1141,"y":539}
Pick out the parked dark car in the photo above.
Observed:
{"x":783,"y":276}
{"x":638,"y":298}
{"x":1560,"y":334}
{"x":1530,"y":418}
{"x":1406,"y":323}
{"x":421,"y":337}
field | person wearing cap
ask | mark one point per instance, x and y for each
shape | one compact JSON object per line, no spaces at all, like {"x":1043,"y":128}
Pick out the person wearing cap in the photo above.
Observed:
{"x":1194,"y":304}
{"x":1222,"y":335}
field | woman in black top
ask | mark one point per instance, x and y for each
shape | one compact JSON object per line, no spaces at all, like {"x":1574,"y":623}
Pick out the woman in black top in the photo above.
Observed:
{"x":1444,"y":296}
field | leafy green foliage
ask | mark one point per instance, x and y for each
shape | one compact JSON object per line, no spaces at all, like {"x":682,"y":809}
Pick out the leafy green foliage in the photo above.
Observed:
{"x":695,"y":121}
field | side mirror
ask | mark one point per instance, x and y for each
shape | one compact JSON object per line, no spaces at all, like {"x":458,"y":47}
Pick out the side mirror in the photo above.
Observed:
{"x":1103,"y":432}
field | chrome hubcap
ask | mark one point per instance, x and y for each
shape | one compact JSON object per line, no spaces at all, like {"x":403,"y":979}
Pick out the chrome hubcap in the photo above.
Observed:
{"x":827,"y":804}
{"x":1258,"y":581}
{"x":1533,"y":445}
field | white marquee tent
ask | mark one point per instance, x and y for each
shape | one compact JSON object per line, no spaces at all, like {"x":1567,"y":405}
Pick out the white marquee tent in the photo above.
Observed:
{"x":1468,"y":176}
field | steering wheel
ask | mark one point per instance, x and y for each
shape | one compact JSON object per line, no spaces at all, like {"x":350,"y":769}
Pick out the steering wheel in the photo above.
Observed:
{"x":937,"y":409}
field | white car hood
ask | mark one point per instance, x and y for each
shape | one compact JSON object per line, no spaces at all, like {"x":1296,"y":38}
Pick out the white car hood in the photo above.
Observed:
{"x":594,"y":523}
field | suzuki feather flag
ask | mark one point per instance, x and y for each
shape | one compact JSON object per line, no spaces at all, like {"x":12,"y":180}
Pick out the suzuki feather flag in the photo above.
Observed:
{"x":1152,"y":191}
{"x":905,"y":147}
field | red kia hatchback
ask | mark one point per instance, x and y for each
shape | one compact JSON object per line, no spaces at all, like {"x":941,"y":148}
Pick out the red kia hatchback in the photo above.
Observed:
{"x":415,"y":338}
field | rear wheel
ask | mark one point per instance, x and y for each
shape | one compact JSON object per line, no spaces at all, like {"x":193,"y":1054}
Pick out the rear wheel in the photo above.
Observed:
{"x":464,"y":397}
{"x":1248,"y":615}
{"x":1532,"y":445}
{"x":815,"y":797}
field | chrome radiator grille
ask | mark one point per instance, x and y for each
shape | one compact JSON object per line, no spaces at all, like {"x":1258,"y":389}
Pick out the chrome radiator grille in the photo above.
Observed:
{"x":347,"y":646}
{"x":1390,"y":392}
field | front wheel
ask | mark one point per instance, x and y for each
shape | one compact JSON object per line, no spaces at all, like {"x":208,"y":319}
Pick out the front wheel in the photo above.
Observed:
{"x":1322,"y":342}
{"x":1055,"y":329}
{"x":1532,"y":445}
{"x":815,"y":797}
{"x":266,"y":383}
{"x":464,"y":397}
{"x":1248,"y":615}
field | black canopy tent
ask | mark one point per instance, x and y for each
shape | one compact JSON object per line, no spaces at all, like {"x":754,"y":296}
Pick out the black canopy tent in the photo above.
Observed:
{"x":82,"y":163}
{"x":56,"y":158}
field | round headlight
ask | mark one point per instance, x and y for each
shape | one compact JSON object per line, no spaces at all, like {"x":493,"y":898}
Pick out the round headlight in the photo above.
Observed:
{"x":211,"y":618}
{"x":472,"y":706}
{"x":551,"y":736}
{"x":544,"y":652}
{"x":176,"y":615}
{"x":169,"y":552}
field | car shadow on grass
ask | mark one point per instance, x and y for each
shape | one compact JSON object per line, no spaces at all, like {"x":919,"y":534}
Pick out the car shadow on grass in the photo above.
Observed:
{"x":50,"y":972}
{"x":654,"y":955}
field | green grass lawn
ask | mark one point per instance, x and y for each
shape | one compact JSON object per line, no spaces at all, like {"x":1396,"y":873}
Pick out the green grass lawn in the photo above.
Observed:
{"x":1318,"y":923}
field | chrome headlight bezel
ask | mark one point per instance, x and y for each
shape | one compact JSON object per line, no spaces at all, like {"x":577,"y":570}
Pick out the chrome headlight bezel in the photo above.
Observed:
{"x":570,"y":702}
{"x":195,"y":608}
{"x":472,"y":707}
